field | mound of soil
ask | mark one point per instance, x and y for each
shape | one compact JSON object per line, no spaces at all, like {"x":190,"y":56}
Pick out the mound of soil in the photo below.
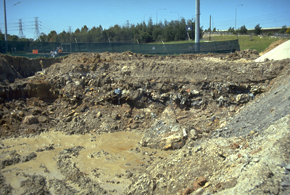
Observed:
{"x":126,"y":123}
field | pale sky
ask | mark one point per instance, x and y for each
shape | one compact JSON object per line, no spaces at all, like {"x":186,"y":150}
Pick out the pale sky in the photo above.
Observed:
{"x":64,"y":14}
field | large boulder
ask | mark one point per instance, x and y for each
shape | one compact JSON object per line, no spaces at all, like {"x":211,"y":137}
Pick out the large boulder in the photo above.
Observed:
{"x":165,"y":133}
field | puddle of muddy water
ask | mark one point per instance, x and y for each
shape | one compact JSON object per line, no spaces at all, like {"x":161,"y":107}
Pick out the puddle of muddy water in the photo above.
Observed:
{"x":103,"y":157}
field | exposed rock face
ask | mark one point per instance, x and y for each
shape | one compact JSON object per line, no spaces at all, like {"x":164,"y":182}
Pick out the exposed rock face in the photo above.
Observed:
{"x":165,"y":133}
{"x":188,"y":124}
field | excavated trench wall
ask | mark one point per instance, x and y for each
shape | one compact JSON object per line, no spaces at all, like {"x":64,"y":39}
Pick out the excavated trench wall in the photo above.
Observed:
{"x":12,"y":69}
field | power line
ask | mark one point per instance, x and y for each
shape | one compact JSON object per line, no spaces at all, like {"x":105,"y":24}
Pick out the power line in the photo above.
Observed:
{"x":20,"y":35}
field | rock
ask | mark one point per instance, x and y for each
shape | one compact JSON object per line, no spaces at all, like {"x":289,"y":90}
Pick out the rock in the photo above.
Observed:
{"x":285,"y":183}
{"x":36,"y":184}
{"x":165,"y":133}
{"x":4,"y":188}
{"x":243,"y":98}
{"x":68,"y":119}
{"x":99,"y":114}
{"x":288,"y":167}
{"x":193,"y":134}
{"x":13,"y":158}
{"x":199,"y":182}
{"x":30,"y":156}
{"x":195,"y":92}
{"x":29,"y":120}
{"x":198,"y":191}
{"x":50,"y":147}
{"x":144,"y":185}
{"x":42,"y":119}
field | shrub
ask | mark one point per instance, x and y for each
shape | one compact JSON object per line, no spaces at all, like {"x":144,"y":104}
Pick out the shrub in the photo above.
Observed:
{"x":258,"y":29}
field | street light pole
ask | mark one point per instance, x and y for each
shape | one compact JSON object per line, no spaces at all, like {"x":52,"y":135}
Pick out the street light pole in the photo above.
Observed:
{"x":157,"y":15}
{"x":197,"y":25}
{"x":236,"y":16}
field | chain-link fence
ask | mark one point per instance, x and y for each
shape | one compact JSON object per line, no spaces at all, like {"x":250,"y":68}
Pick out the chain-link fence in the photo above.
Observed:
{"x":36,"y":49}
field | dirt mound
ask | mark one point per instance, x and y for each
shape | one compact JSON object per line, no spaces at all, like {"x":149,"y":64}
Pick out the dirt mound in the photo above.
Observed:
{"x":273,"y":45}
{"x":114,"y":123}
{"x":245,"y":54}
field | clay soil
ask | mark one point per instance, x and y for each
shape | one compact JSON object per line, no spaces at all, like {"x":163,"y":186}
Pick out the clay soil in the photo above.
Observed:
{"x":77,"y":125}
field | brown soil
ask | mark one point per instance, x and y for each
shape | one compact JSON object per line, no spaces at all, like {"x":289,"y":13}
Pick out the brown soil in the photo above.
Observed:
{"x":114,"y":123}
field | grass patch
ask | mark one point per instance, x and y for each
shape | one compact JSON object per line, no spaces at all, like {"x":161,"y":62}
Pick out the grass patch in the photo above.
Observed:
{"x":249,"y":42}
{"x":246,"y":41}
{"x":174,"y":42}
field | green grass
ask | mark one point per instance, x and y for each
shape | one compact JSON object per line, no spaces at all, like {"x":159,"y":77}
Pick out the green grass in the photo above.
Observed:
{"x":174,"y":42}
{"x":246,"y":42}
{"x":249,"y":42}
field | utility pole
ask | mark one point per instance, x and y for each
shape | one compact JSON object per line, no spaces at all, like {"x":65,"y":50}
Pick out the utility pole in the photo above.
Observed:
{"x":209,"y":27}
{"x":236,"y":15}
{"x":5,"y":20}
{"x":197,"y":14}
{"x":236,"y":20}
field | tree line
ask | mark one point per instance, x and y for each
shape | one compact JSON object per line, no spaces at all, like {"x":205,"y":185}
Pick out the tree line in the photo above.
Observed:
{"x":140,"y":33}
{"x":257,"y":30}
{"x":174,"y":30}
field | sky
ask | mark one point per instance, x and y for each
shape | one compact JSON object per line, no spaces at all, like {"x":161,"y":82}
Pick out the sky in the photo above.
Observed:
{"x":65,"y":15}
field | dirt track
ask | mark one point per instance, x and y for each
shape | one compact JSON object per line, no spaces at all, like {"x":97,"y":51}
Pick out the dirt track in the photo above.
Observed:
{"x":134,"y":124}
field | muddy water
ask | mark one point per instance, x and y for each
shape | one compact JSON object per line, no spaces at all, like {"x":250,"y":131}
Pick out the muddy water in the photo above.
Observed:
{"x":103,"y":158}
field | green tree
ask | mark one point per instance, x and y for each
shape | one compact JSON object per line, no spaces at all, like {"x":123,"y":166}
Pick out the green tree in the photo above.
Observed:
{"x":169,"y":31}
{"x":51,"y":37}
{"x":157,"y":33}
{"x":243,"y":30}
{"x":43,"y":38}
{"x":288,"y":30}
{"x":258,"y":29}
{"x":231,"y":29}
{"x":12,"y":37}
{"x":283,"y":30}
{"x":84,"y":30}
{"x":146,"y":37}
{"x":64,"y":37}
{"x":1,"y":36}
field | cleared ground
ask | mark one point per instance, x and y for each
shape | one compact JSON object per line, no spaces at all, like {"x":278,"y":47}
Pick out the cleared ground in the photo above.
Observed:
{"x":136,"y":124}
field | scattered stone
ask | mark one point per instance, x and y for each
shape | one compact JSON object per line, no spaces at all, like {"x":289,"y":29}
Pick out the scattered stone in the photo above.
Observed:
{"x":29,"y":120}
{"x":99,"y":114}
{"x":29,"y":157}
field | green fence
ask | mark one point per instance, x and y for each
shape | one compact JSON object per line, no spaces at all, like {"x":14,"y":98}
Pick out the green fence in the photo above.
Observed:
{"x":22,"y":48}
